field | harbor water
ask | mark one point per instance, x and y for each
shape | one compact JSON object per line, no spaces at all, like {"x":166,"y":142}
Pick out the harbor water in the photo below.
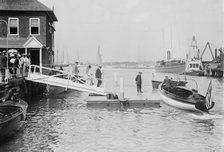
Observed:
{"x":64,"y":123}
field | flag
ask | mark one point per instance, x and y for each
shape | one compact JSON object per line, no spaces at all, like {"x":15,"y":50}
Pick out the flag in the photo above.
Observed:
{"x":208,"y":97}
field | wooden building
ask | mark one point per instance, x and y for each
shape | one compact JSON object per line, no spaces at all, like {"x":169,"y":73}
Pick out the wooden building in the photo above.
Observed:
{"x":28,"y":27}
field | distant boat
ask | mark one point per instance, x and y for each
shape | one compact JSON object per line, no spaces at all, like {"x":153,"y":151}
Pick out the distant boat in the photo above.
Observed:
{"x":187,"y":99}
{"x":194,"y":68}
{"x":194,"y":64}
{"x":170,"y":65}
{"x":138,"y":66}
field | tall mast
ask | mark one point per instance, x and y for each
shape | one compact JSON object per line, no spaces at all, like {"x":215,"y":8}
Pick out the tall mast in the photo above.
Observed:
{"x":57,"y":56}
{"x":63,"y":56}
{"x":99,"y":57}
{"x":163,"y":44}
{"x":171,"y":41}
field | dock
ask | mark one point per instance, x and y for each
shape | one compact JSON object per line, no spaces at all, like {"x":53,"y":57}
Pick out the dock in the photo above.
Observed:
{"x":104,"y":102}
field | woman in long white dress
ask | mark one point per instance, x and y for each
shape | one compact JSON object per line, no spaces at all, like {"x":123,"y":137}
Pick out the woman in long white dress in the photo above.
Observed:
{"x":89,"y":74}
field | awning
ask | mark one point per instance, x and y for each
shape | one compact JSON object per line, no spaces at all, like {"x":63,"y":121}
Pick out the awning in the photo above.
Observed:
{"x":16,"y":43}
{"x":12,"y":43}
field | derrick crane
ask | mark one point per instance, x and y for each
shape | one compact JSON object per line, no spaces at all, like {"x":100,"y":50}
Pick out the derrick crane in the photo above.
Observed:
{"x":210,"y":49}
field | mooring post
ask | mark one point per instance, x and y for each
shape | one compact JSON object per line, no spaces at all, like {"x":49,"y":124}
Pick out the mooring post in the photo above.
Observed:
{"x":121,"y":88}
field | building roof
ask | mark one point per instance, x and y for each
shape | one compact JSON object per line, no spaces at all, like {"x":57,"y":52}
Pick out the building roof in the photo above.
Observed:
{"x":15,"y":43}
{"x":26,"y":5}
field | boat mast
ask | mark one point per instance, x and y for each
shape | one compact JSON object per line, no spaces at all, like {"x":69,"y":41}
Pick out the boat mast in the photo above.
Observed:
{"x":99,"y":57}
{"x":63,"y":56}
{"x":163,"y":44}
{"x":171,"y":41}
{"x":57,"y":56}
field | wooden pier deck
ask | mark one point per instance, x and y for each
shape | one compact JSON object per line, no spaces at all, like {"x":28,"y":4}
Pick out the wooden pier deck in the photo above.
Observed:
{"x":103,"y":102}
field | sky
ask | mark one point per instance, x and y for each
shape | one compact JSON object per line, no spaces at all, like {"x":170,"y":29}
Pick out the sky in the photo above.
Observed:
{"x":134,"y":30}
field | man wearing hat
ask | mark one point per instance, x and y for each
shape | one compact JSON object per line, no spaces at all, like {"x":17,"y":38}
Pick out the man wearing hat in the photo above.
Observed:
{"x":3,"y":60}
{"x":76,"y":68}
{"x":98,"y":75}
{"x":138,"y":80}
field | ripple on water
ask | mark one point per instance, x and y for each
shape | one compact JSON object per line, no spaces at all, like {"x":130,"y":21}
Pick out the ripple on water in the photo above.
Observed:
{"x":65,"y":123}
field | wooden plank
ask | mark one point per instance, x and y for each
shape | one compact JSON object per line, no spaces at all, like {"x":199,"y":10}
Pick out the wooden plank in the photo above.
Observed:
{"x":102,"y":101}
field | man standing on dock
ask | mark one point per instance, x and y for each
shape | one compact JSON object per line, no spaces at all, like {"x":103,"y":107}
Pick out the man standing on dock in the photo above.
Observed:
{"x":99,"y":76}
{"x":3,"y":60}
{"x":138,"y":80}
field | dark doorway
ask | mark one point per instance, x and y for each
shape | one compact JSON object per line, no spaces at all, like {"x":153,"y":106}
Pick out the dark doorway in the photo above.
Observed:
{"x":35,"y":57}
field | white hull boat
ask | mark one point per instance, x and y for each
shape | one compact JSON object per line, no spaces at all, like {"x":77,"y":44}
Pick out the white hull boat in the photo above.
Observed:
{"x":186,"y":99}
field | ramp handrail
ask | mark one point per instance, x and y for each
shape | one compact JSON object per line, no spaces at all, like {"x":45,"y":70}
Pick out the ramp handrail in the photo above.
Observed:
{"x":62,"y":73}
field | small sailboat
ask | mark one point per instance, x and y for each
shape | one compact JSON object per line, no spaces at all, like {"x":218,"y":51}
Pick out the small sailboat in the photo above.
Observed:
{"x":99,"y":57}
{"x":187,"y":99}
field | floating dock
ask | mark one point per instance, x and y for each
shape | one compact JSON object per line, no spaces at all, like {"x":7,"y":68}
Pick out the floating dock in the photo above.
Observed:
{"x":104,"y":102}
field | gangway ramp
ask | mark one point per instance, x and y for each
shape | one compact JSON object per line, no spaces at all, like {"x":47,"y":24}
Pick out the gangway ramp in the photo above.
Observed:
{"x":63,"y":79}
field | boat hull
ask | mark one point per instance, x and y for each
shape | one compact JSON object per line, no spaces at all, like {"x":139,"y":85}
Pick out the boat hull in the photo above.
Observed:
{"x":11,"y":122}
{"x":195,"y":73}
{"x":155,"y":84}
{"x":180,"y":68}
{"x":179,"y":102}
{"x":19,"y":103}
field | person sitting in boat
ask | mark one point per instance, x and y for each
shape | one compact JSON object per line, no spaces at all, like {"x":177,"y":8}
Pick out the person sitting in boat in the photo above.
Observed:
{"x":167,"y":82}
{"x":10,"y":94}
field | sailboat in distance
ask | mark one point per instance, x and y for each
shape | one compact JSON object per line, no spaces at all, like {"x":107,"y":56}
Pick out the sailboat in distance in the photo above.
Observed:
{"x":99,"y":57}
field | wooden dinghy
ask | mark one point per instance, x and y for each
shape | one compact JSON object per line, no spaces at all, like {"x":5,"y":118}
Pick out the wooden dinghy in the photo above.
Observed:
{"x":12,"y":112}
{"x":11,"y":119}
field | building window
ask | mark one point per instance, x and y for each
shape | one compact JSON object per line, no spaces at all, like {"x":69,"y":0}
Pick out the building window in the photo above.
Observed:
{"x":34,"y":26}
{"x":13,"y":26}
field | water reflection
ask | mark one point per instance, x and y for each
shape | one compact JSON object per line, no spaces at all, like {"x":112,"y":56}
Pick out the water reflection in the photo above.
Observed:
{"x":204,"y":126}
